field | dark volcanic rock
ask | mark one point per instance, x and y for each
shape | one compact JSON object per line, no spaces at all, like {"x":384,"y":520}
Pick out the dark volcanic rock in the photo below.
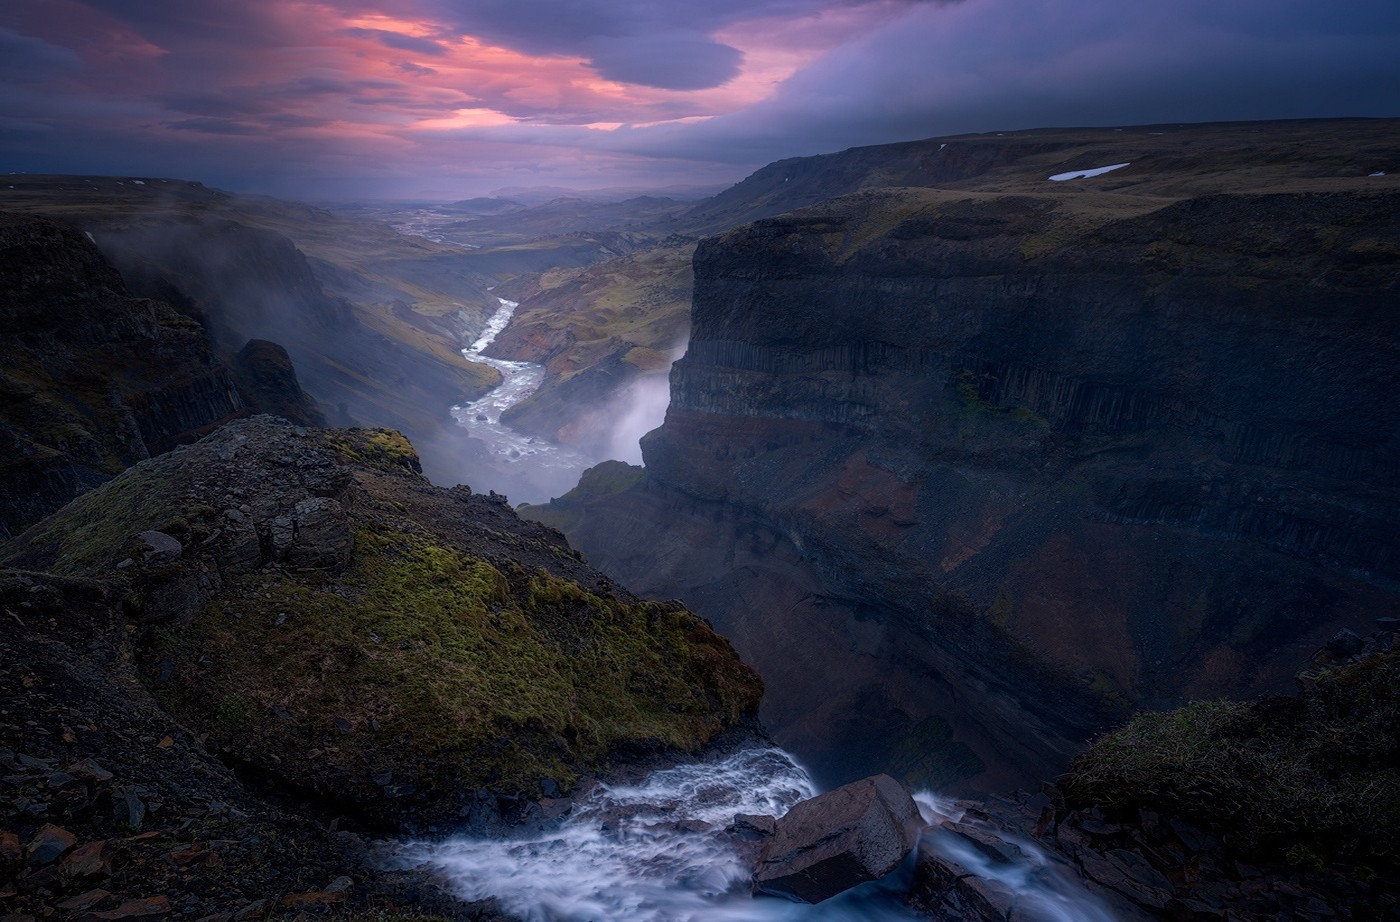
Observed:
{"x":835,"y":841}
{"x":92,"y":380}
{"x":360,"y":639}
{"x":980,"y":469}
{"x":266,"y":375}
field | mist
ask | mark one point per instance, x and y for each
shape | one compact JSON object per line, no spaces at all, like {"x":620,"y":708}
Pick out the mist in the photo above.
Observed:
{"x":639,"y":408}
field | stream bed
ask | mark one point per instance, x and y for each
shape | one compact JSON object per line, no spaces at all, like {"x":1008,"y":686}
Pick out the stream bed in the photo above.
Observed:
{"x":658,"y":851}
{"x":545,"y":461}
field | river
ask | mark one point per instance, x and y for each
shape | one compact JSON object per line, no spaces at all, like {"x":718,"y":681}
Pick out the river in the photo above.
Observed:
{"x":657,"y":851}
{"x":539,"y":459}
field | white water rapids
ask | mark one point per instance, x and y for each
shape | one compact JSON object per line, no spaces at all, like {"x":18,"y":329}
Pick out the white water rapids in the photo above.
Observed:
{"x":482,"y":418}
{"x":658,"y":852}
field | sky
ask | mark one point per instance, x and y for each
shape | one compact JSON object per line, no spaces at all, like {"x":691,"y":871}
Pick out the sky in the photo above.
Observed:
{"x":445,"y":99}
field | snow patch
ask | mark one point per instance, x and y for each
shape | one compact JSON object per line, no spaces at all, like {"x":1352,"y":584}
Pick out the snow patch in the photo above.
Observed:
{"x":1085,"y":174}
{"x":1377,"y":173}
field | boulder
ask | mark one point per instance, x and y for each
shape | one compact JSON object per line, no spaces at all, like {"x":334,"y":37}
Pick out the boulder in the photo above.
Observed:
{"x":159,"y":547}
{"x":49,"y":843}
{"x":749,"y":826}
{"x":946,"y":885}
{"x":321,"y":537}
{"x":150,"y":907}
{"x":823,"y":846}
{"x":93,"y":859}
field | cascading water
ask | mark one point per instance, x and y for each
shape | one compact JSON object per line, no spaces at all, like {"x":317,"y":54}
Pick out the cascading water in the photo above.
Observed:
{"x":518,"y":381}
{"x":658,"y":852}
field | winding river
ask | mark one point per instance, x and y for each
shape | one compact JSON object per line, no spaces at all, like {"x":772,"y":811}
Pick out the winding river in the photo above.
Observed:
{"x":482,"y":418}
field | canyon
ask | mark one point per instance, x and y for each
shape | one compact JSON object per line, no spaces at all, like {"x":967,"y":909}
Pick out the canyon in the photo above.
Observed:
{"x":971,"y":463}
{"x":972,"y":471}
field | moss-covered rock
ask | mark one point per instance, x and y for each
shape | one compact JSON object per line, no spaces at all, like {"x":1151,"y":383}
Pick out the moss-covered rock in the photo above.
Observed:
{"x":379,"y":644}
{"x":1311,"y":778}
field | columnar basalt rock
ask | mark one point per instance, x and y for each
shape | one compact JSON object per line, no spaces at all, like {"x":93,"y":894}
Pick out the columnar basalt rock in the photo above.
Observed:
{"x":970,"y":473}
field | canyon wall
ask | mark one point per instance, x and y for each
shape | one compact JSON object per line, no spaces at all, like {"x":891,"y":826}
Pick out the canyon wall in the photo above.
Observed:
{"x":971,"y":474}
{"x":93,"y":380}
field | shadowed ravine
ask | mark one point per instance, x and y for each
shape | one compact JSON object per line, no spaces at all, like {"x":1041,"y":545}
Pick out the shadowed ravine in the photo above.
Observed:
{"x":658,"y":851}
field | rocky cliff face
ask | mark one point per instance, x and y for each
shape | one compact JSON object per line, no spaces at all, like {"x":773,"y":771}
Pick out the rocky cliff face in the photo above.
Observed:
{"x":373,"y":320}
{"x":93,"y":380}
{"x":969,"y":473}
{"x":389,"y":651}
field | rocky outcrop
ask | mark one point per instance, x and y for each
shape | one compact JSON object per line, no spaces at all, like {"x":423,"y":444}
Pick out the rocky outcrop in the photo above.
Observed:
{"x":397,"y":654}
{"x":253,"y":283}
{"x":112,"y":809}
{"x":969,"y":473}
{"x":835,"y":841}
{"x":93,"y":380}
{"x":1279,"y":808}
{"x":265,"y":373}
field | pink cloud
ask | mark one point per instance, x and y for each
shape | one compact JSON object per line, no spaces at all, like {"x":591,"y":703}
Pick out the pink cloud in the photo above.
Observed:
{"x":397,"y":96}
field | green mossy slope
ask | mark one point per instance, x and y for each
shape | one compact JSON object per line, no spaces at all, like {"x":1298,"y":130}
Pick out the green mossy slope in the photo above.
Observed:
{"x":1312,"y":778}
{"x":365,"y":640}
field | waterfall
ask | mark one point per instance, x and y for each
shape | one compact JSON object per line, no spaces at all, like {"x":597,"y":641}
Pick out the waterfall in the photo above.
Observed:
{"x":659,"y":851}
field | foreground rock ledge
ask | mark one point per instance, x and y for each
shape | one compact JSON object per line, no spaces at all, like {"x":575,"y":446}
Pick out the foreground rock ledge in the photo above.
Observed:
{"x":835,"y":841}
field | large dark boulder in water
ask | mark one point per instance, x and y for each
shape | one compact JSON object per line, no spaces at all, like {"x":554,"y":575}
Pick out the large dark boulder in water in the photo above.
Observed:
{"x":835,"y":841}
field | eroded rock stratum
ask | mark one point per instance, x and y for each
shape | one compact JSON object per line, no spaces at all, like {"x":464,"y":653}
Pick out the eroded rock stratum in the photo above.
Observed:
{"x":970,"y":473}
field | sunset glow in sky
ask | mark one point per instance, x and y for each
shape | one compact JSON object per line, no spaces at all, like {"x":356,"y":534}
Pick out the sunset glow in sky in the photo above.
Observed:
{"x":448,"y":98}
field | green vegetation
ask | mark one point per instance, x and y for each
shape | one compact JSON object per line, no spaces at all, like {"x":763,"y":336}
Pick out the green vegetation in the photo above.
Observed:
{"x":972,"y":401}
{"x":233,"y":713}
{"x":603,"y":479}
{"x":90,"y":533}
{"x":1314,"y":778}
{"x":382,"y":448}
{"x":448,"y":670}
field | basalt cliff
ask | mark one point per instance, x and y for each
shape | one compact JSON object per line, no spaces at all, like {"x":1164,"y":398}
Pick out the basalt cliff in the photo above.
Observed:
{"x":973,"y":470}
{"x":374,"y":320}
{"x":94,"y":380}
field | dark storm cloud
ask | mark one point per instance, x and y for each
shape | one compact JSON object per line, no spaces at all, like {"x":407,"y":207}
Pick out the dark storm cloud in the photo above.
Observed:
{"x":672,"y":62}
{"x":215,"y":105}
{"x":174,"y":22}
{"x":659,"y":44}
{"x":271,"y":96}
{"x":986,"y":65}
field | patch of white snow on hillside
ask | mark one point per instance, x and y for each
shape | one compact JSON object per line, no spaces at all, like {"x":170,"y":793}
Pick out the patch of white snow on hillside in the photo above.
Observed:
{"x":1378,"y":173}
{"x":1085,"y":174}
